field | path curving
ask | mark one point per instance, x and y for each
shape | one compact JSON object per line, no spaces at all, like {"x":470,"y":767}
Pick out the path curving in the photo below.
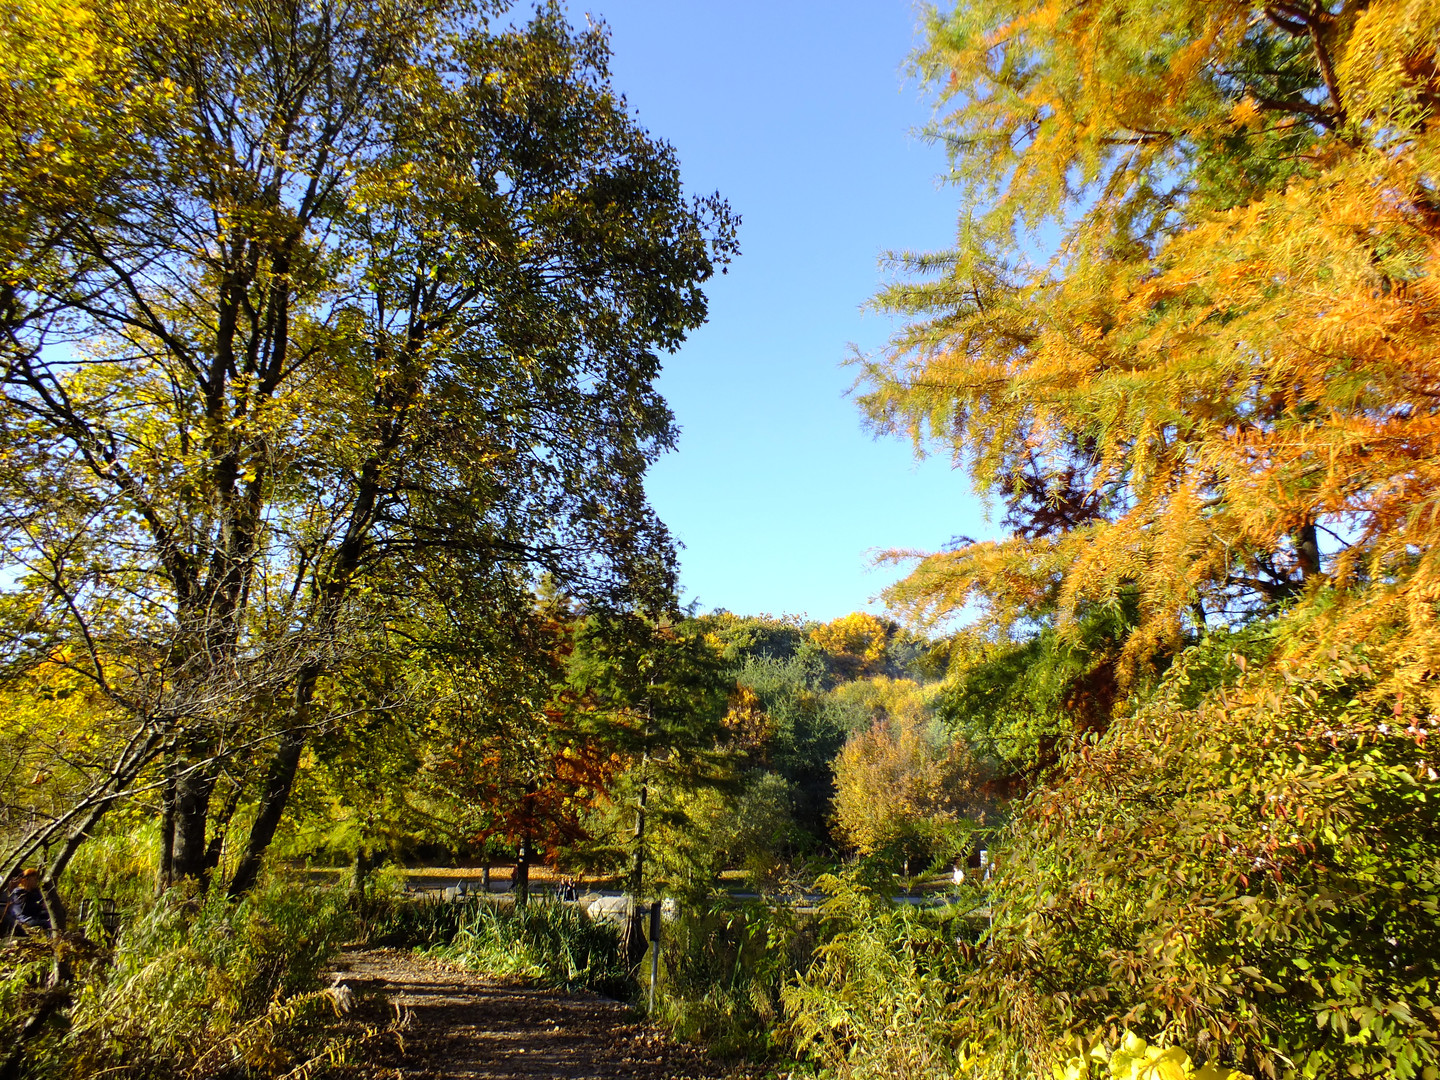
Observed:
{"x":455,"y":1024}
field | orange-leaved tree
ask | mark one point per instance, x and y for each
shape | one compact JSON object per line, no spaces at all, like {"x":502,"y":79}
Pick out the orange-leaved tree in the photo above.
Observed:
{"x":1188,"y":333}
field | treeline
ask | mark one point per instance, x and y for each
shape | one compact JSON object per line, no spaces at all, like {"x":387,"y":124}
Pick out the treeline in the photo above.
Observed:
{"x":738,"y":728}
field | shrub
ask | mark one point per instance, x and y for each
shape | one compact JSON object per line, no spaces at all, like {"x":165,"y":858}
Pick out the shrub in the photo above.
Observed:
{"x":723,"y":967}
{"x":1247,"y":877}
{"x":877,"y":1000}
{"x":198,"y":987}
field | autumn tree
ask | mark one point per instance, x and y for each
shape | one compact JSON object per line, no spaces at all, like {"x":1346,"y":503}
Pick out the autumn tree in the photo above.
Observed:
{"x":1187,"y":332}
{"x":904,"y":787}
{"x":1187,"y":340}
{"x":517,"y":762}
{"x":371,"y":313}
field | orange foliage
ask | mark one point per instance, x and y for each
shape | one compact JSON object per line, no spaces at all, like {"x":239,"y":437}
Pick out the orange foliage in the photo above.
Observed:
{"x":1234,"y":355}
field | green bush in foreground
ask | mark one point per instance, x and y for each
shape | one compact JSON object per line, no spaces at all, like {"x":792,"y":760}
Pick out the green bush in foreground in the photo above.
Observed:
{"x":722,"y":969}
{"x":877,"y":999}
{"x":1248,"y":881}
{"x":195,"y":987}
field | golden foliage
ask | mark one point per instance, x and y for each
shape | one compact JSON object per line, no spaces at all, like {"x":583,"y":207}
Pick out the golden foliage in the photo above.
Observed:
{"x":892,"y":775}
{"x":746,"y":723}
{"x":857,"y":641}
{"x":1236,"y":339}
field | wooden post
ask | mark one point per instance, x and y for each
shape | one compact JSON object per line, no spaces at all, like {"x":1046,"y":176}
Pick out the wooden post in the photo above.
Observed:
{"x":654,"y":951}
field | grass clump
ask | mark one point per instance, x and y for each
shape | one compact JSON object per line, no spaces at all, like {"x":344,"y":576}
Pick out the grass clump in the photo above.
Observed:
{"x":723,"y":967}
{"x":414,"y":922}
{"x":545,"y":941}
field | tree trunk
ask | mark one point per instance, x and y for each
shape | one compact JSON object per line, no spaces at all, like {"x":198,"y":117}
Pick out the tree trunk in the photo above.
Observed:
{"x":361,"y":870}
{"x":635,"y":941}
{"x":273,"y":797}
{"x":166,"y":876}
{"x":520,"y":880}
{"x":219,"y":827}
{"x":59,"y":917}
{"x":192,"y":815}
{"x":275,"y":793}
{"x":1307,"y":551}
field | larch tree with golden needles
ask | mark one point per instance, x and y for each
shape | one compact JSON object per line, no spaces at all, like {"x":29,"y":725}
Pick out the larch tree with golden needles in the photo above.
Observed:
{"x":1188,"y":334}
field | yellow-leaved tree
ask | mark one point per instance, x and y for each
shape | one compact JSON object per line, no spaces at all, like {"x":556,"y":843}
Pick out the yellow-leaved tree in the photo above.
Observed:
{"x":314,"y":317}
{"x":1188,"y":334}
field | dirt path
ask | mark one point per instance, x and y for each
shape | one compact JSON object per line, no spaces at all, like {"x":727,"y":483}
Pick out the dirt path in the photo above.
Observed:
{"x":458,"y":1025}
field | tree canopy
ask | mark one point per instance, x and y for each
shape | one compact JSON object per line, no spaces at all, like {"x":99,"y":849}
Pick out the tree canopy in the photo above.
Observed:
{"x":1186,"y":335}
{"x":364,"y":312}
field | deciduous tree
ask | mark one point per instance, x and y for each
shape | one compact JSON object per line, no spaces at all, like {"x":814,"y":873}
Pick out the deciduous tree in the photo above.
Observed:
{"x":899,"y":783}
{"x":373,"y":312}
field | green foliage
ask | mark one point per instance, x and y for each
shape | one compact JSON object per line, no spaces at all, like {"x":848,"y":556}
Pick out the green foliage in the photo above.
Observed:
{"x":409,"y":921}
{"x":695,"y":833}
{"x":1013,"y":701}
{"x":878,"y":1000}
{"x":1252,"y":879}
{"x":1007,"y":702}
{"x":723,"y":969}
{"x":118,"y":863}
{"x":550,"y":942}
{"x":198,"y":987}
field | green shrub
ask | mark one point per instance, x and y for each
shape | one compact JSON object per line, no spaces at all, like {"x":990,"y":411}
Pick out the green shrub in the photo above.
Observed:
{"x":723,"y":965}
{"x":877,"y":1000}
{"x":1246,"y":877}
{"x":197,"y":987}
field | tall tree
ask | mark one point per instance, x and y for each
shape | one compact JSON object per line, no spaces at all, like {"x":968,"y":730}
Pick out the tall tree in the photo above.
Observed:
{"x":1213,"y":394}
{"x":373,"y":312}
{"x":1220,"y":383}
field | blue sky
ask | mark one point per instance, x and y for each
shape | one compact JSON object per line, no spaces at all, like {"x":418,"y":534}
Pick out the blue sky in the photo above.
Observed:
{"x":801,"y":115}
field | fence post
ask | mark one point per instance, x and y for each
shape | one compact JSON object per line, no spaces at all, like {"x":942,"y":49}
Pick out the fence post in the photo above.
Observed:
{"x":654,"y":951}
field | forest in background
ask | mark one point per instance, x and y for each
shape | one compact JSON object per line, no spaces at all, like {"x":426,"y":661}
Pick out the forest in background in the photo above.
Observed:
{"x":329,"y":337}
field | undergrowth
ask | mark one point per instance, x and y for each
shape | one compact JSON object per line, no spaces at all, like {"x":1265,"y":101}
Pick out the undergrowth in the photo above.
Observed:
{"x":194,"y":987}
{"x":876,"y":1002}
{"x":723,"y":967}
{"x":409,"y":921}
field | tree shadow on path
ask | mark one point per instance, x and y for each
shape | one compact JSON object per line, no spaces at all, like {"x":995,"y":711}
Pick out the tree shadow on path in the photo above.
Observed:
{"x":459,"y":1025}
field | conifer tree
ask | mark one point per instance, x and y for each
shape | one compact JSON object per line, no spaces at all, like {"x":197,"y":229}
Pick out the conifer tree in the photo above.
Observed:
{"x":1188,"y":331}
